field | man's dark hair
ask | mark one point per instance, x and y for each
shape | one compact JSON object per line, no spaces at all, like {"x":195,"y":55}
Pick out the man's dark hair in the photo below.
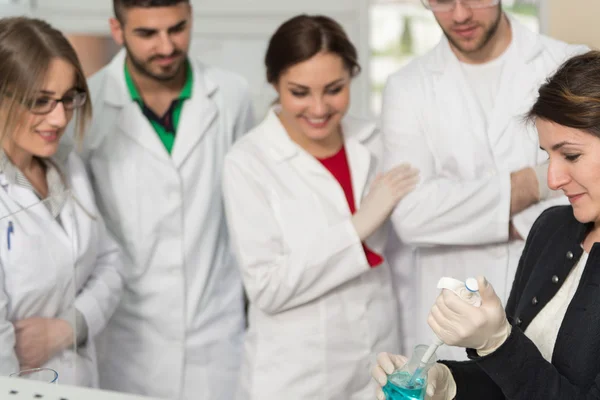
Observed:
{"x":120,"y":6}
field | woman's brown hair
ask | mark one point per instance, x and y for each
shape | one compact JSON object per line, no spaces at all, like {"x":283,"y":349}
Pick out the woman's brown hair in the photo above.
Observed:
{"x":571,"y":97}
{"x":27,"y":47}
{"x":301,"y":37}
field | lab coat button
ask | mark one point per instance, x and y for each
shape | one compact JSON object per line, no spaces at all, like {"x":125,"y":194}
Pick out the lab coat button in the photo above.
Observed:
{"x":555,"y":279}
{"x":569,"y":255}
{"x":534,"y":301}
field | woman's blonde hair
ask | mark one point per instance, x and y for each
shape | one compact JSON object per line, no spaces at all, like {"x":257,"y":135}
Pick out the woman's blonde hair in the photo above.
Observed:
{"x":27,"y":47}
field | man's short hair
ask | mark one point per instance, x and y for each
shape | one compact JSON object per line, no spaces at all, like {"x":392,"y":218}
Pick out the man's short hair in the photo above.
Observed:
{"x":121,"y":5}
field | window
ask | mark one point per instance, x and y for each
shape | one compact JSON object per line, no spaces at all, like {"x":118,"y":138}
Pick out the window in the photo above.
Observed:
{"x":403,"y":29}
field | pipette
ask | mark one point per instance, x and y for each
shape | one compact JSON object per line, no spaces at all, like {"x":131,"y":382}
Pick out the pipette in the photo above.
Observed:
{"x":469,"y":296}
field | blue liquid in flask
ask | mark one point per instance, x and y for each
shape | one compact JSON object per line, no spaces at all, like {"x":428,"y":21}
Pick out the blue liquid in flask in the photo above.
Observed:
{"x":400,"y":387}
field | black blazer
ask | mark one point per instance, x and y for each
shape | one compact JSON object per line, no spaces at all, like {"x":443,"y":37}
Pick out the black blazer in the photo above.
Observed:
{"x":517,"y":370}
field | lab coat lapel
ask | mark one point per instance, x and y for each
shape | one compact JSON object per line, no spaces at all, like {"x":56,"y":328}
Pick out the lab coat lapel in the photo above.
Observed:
{"x":319,"y":179}
{"x":24,"y":199}
{"x":315,"y":174}
{"x":462,"y":112}
{"x":328,"y":190}
{"x":28,"y":207}
{"x":285,"y":149}
{"x":134,"y":124}
{"x":360,"y":160}
{"x":518,"y":90}
{"x":131,"y":120}
{"x":198,"y":115}
{"x":70,"y":227}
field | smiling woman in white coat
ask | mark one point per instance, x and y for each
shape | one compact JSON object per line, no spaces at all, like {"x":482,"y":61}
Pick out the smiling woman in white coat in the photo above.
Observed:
{"x":59,"y":269}
{"x":306,"y":237}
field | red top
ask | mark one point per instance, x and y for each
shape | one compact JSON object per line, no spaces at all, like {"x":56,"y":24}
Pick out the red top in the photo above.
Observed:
{"x":337,"y":164}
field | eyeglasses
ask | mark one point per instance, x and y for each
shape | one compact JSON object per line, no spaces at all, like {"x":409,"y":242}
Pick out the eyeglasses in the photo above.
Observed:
{"x":449,"y":5}
{"x":44,"y":104}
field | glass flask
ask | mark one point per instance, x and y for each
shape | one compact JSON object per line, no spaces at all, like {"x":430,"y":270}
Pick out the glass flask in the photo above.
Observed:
{"x":46,"y":375}
{"x":410,"y":381}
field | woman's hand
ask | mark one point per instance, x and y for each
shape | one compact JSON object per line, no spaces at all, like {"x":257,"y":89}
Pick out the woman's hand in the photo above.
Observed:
{"x":460,"y":324}
{"x":386,"y":364}
{"x":385,"y":192}
{"x":440,"y":383}
{"x":39,"y":339}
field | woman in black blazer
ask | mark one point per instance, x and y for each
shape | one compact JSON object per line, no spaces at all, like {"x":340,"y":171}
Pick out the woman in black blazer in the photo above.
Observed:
{"x":546,"y":344}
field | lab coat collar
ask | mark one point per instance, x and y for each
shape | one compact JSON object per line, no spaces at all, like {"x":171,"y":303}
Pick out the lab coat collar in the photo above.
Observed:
{"x":116,"y":88}
{"x":527,"y":46}
{"x":116,"y":92}
{"x":197,"y":115}
{"x":283,"y":148}
{"x":59,"y":158}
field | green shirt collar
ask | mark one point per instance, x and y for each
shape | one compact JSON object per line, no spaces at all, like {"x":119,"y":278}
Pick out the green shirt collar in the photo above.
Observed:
{"x":185,"y":93}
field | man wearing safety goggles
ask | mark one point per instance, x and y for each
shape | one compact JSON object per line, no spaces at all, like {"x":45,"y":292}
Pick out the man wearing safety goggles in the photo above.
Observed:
{"x":455,"y":114}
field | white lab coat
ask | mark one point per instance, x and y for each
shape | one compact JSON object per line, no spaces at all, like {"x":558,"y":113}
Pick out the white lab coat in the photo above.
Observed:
{"x":48,"y":264}
{"x":318,"y":313}
{"x":458,"y":217}
{"x":178,"y":331}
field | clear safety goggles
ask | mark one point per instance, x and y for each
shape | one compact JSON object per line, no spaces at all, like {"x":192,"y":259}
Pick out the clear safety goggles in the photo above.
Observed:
{"x":449,"y":5}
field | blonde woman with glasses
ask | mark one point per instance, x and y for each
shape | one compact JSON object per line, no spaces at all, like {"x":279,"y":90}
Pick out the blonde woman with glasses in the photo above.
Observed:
{"x":59,"y":268}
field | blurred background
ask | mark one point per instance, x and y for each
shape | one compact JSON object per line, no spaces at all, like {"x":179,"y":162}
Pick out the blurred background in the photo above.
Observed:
{"x":403,"y":29}
{"x":233,"y":34}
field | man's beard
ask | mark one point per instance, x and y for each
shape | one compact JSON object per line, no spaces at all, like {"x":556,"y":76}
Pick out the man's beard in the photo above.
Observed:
{"x":142,"y":67}
{"x":488,"y":35}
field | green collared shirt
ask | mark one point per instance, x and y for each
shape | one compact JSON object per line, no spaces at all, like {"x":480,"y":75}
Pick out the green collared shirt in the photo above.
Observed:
{"x":165,"y":126}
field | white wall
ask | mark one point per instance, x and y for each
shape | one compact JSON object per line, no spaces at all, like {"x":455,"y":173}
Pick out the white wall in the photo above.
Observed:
{"x":574,"y":21}
{"x":14,"y":7}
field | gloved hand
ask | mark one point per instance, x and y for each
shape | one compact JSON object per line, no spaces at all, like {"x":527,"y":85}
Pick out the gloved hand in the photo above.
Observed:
{"x":440,"y":383}
{"x":457,"y":323}
{"x":385,"y":192}
{"x":541,"y":173}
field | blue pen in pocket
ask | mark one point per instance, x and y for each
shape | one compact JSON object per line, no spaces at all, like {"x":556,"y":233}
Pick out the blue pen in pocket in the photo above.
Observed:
{"x":9,"y":231}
